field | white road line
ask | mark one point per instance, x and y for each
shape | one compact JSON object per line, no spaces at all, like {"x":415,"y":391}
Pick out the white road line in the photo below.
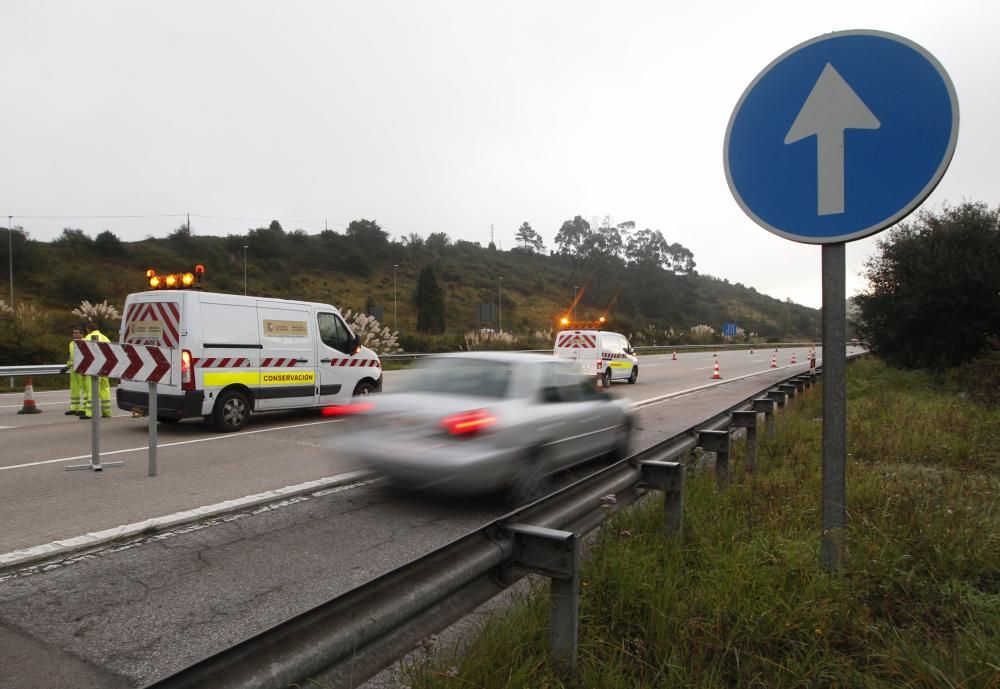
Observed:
{"x":671,"y":395}
{"x":323,"y":485}
{"x":703,"y":368}
{"x":230,"y":436}
{"x":37,"y":404}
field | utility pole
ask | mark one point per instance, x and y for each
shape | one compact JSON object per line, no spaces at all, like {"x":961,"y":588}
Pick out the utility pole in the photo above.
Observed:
{"x":500,"y":310}
{"x":491,"y":234}
{"x":10,"y":255}
{"x":189,"y":223}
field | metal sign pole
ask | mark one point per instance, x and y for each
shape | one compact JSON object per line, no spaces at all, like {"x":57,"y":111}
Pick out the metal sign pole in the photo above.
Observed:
{"x":95,"y":423}
{"x":834,"y":407}
{"x":152,"y":429}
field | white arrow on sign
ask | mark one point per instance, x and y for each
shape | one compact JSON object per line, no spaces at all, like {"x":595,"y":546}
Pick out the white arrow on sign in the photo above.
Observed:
{"x":832,"y":107}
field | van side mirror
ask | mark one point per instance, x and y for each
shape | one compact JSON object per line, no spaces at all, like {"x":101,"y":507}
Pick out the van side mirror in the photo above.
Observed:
{"x":550,"y":393}
{"x":356,"y":344}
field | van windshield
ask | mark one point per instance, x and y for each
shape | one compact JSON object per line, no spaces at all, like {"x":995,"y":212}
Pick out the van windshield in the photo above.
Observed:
{"x":461,"y":376}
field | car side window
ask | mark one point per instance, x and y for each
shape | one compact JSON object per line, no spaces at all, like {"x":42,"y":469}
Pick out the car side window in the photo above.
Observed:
{"x":624,"y":344}
{"x":334,"y":332}
{"x":609,"y":343}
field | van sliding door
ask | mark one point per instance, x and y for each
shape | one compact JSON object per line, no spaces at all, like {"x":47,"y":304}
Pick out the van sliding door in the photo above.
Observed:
{"x":287,"y":369}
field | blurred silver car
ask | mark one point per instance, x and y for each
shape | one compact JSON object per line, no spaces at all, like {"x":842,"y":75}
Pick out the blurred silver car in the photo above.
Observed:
{"x":478,"y":422}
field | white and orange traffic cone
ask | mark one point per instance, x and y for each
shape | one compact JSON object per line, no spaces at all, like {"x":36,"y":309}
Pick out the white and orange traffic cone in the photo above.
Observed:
{"x":715,"y":373}
{"x":774,"y":361}
{"x":29,"y":400}
{"x":793,"y":357}
{"x":675,"y":357}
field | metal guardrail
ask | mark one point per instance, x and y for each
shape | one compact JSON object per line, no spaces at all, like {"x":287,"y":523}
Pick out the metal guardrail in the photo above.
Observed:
{"x":33,"y":370}
{"x":50,"y":369}
{"x":352,"y":637}
{"x":644,"y":349}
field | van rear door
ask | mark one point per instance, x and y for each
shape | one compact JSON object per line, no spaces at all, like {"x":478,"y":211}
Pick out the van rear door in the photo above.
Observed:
{"x":579,"y":347}
{"x":287,"y":369}
{"x":152,"y":318}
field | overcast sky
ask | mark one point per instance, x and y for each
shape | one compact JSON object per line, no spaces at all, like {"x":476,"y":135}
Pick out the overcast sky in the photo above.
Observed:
{"x":436,"y":117}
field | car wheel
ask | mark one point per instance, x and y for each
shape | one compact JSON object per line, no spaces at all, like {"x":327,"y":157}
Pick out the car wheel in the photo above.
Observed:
{"x":532,"y":482}
{"x":606,"y":379}
{"x":232,"y":411}
{"x":168,"y":419}
{"x":364,"y":388}
{"x":635,"y":375}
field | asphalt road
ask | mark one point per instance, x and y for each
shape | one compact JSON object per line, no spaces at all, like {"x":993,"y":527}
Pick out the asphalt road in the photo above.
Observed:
{"x":127,"y":612}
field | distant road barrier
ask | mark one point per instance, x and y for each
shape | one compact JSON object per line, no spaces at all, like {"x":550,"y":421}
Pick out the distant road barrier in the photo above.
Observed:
{"x":52,"y":369}
{"x":352,"y":637}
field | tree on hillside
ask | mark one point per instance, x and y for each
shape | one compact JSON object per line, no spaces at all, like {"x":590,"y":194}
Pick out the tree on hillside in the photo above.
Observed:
{"x":681,"y":259}
{"x":572,"y":235}
{"x":934,"y":288}
{"x":75,"y":240}
{"x":647,"y":248}
{"x":530,"y":240}
{"x":108,"y":244}
{"x":437,"y":241}
{"x":371,"y":238}
{"x":430,"y":303}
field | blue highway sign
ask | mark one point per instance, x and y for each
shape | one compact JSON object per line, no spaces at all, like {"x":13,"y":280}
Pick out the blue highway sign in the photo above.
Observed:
{"x":841,"y":136}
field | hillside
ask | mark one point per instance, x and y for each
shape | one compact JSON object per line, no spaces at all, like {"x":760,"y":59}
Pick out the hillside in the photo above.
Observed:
{"x":354,"y":269}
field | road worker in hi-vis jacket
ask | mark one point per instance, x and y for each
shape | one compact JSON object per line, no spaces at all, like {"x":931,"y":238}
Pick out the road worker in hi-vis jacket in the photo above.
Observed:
{"x":76,"y":381}
{"x":104,"y":386}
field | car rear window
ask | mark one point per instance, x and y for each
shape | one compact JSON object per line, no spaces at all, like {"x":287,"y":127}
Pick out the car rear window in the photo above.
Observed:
{"x":455,"y":376}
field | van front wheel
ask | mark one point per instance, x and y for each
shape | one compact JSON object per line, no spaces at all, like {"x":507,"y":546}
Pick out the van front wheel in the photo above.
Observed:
{"x":364,"y":388}
{"x":232,"y":411}
{"x":635,"y":375}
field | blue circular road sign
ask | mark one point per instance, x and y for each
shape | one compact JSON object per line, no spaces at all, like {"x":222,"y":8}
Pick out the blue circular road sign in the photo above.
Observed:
{"x":841,"y":136}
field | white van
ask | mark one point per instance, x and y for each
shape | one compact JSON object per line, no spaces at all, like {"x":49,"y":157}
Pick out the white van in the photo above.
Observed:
{"x":244,"y":354}
{"x":600,"y":353}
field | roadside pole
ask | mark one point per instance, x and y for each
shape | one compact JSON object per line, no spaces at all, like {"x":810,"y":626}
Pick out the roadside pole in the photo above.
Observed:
{"x":152,"y":428}
{"x":834,"y":512}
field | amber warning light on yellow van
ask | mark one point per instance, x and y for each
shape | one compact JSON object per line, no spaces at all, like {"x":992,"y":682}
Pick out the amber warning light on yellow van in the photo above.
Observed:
{"x":175,"y":280}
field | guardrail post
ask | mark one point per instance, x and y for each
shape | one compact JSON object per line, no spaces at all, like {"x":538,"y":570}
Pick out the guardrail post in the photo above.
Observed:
{"x":765,"y":406}
{"x":668,"y":477}
{"x":748,"y":420}
{"x":717,"y":442}
{"x":554,"y":554}
{"x":800,"y":385}
{"x":788,"y":389}
{"x":778,"y":396}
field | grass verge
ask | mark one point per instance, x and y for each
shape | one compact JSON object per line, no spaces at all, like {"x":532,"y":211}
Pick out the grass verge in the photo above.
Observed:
{"x":739,"y":600}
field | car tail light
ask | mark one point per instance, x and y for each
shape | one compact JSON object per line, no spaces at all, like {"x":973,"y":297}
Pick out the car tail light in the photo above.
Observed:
{"x":600,"y":363}
{"x":348,"y":409}
{"x":187,"y":370}
{"x":468,"y":422}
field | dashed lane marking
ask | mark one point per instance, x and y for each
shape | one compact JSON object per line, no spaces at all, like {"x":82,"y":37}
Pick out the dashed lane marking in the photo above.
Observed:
{"x":228,"y":436}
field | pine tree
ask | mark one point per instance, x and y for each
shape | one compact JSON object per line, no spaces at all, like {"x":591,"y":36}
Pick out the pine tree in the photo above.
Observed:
{"x":430,"y":303}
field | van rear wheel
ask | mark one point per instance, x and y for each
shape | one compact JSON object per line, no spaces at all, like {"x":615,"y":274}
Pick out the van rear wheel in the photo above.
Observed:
{"x":606,"y":379}
{"x":232,"y":411}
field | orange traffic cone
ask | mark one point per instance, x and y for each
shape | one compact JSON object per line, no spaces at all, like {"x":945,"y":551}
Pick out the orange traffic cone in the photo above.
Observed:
{"x":715,"y":373}
{"x":675,"y":357}
{"x":774,"y":361}
{"x":29,"y":400}
{"x":793,"y":357}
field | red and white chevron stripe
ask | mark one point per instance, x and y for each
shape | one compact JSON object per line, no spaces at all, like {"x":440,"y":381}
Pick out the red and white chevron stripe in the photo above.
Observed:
{"x":278,"y":363}
{"x":139,"y":363}
{"x":361,"y":363}
{"x":576,"y":341}
{"x":166,"y":312}
{"x":221,"y":362}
